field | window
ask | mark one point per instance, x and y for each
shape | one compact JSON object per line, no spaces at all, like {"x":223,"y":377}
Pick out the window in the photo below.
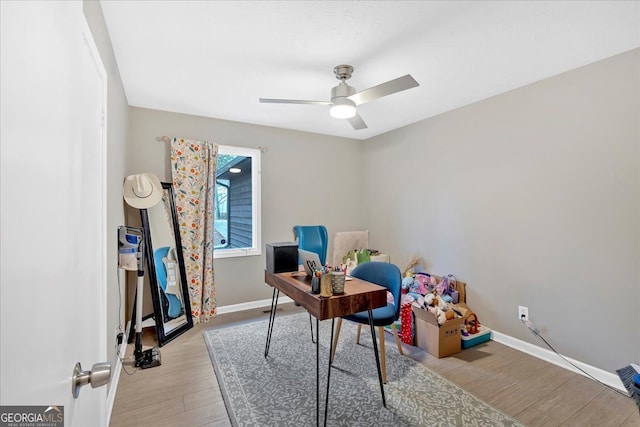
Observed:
{"x":237,"y":202}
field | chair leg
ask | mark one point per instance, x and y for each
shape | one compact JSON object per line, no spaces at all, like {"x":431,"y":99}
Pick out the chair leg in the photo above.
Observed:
{"x":358,"y":335}
{"x":335,"y":339}
{"x":395,"y":334}
{"x":383,"y":359}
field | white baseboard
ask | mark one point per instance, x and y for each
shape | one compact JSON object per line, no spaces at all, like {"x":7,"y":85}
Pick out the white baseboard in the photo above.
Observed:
{"x":603,"y":376}
{"x":113,"y":386}
{"x":249,"y":305}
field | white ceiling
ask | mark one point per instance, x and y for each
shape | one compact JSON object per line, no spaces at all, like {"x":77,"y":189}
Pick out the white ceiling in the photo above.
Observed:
{"x":216,"y":58}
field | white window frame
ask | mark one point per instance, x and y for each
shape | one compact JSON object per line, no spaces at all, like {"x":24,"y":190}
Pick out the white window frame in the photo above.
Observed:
{"x":256,"y":211}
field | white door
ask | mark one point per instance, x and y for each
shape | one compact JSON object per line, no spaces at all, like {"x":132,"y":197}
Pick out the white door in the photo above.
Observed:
{"x":53,"y":213}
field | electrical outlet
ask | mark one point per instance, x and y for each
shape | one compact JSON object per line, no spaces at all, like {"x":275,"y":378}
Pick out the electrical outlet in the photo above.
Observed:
{"x":523,"y":312}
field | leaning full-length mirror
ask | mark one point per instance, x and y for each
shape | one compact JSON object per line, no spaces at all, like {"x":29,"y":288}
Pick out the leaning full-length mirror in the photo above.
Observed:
{"x":167,"y":277}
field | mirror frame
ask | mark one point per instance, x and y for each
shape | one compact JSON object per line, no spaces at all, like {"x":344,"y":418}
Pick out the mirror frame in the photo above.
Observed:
{"x":163,"y":337}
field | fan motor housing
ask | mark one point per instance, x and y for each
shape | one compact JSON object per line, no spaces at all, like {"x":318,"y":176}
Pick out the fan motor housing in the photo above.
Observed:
{"x":343,"y":90}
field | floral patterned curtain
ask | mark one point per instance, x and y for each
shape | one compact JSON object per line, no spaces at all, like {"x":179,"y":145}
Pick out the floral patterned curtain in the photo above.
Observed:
{"x":193,"y":168}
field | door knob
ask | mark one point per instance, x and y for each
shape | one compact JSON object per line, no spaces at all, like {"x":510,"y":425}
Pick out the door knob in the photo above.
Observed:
{"x":99,"y":375}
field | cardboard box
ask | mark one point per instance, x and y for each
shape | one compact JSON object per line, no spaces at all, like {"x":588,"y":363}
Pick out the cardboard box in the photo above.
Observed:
{"x":462,"y":309}
{"x":440,"y":341}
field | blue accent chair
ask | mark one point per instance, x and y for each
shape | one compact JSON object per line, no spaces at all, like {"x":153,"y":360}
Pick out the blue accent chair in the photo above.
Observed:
{"x":312,"y":238}
{"x":389,"y":276}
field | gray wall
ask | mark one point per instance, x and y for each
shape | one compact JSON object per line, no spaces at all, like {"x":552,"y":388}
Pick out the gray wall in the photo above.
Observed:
{"x":532,"y":197}
{"x":117,"y":124}
{"x":306,"y":179}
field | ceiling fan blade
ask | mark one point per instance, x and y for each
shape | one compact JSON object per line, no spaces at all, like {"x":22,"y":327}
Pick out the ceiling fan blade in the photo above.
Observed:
{"x":292,"y":101}
{"x":357,"y":122}
{"x":384,"y":89}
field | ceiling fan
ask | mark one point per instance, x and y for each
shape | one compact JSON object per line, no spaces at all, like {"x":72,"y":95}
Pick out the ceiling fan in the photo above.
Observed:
{"x":344,"y":98}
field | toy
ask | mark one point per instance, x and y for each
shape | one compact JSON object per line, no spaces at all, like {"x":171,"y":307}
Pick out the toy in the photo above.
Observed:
{"x":407,"y":281}
{"x":425,"y":282}
{"x":471,"y":323}
{"x":442,"y":287}
{"x":417,"y":284}
{"x":408,"y":270}
{"x":447,"y":288}
{"x":410,"y":286}
{"x":437,"y":307}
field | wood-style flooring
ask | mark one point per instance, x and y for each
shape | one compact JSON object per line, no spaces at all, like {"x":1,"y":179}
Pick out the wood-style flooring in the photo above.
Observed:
{"x":183,"y":391}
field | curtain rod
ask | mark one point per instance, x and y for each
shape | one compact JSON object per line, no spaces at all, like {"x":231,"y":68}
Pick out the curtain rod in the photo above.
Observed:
{"x":165,"y":138}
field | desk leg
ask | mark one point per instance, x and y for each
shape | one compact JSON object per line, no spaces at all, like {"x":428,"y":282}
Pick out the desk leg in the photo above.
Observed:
{"x":375,"y":350}
{"x":272,"y":318}
{"x":311,"y":326}
{"x":317,"y":372}
{"x":326,"y":400}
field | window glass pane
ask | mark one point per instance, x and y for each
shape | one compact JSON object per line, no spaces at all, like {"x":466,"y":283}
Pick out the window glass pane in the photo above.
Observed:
{"x":221,"y":217}
{"x":236,"y":216}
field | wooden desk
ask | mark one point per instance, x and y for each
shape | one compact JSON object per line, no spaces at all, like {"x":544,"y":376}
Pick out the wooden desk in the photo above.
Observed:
{"x":358,"y":296}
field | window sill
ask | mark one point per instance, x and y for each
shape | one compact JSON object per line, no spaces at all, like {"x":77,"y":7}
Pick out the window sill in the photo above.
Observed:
{"x":235,"y":253}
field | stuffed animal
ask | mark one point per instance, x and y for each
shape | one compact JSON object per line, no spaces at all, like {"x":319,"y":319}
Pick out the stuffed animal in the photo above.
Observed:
{"x":411,"y":286}
{"x":450,"y":314}
{"x":425,"y":282}
{"x":438,"y":301}
{"x":440,"y":315}
{"x":437,"y":307}
{"x":407,"y":281}
{"x":430,"y":300}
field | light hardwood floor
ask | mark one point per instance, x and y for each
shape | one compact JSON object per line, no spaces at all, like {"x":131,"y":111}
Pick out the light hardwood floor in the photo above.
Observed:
{"x":183,"y":391}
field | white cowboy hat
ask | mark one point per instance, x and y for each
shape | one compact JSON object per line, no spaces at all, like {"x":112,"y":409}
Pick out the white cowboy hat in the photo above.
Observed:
{"x":142,"y":190}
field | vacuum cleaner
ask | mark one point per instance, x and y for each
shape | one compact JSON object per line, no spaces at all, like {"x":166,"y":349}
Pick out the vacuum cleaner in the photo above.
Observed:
{"x":630,"y":377}
{"x":131,"y":258}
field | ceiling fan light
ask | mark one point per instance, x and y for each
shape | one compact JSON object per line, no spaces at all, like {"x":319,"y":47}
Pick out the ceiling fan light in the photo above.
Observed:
{"x":342,"y":108}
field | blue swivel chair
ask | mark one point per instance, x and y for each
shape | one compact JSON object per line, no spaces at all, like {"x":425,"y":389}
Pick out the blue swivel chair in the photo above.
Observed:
{"x":389,"y":276}
{"x":312,"y":238}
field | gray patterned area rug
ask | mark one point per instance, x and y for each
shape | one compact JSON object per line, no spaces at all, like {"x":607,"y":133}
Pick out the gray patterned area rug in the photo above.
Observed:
{"x":280,"y":390}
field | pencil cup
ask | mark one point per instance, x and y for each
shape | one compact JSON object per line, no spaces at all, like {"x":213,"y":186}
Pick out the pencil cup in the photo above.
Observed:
{"x":315,"y":285}
{"x":325,"y":285}
{"x":337,"y":282}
